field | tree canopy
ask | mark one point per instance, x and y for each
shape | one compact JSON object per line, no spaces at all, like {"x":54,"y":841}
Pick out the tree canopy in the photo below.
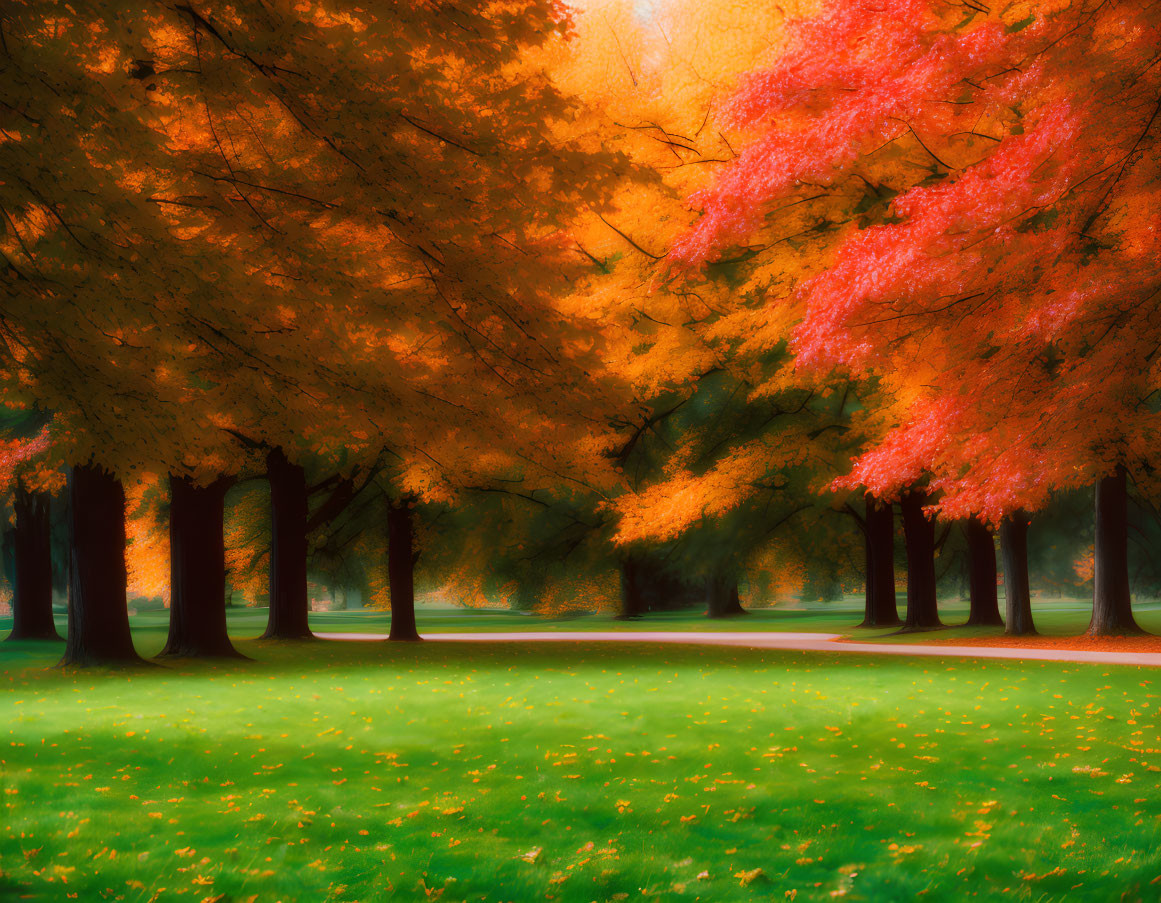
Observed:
{"x":616,"y":283}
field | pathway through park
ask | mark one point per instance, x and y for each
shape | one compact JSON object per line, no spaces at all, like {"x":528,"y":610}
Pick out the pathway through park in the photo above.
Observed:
{"x":801,"y":642}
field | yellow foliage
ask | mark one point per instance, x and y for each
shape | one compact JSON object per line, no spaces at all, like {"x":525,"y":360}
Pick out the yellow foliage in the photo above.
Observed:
{"x":147,"y":538}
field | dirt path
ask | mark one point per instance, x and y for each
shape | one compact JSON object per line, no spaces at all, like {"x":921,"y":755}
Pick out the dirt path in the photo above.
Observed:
{"x":802,"y":642}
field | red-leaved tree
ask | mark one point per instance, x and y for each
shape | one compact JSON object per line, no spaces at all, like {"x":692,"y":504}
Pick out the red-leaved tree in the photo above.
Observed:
{"x":1003,"y":289}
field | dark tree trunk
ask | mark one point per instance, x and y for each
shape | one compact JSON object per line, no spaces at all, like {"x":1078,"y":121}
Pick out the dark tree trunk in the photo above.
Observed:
{"x":1112,"y":610}
{"x":722,"y":597}
{"x":649,"y":584}
{"x":289,"y":607}
{"x":985,"y":602}
{"x":197,"y":560}
{"x":1018,"y":599}
{"x":879,"y":533}
{"x":919,"y":535}
{"x":401,"y":571}
{"x":98,"y":632}
{"x":32,"y":586}
{"x":632,"y":599}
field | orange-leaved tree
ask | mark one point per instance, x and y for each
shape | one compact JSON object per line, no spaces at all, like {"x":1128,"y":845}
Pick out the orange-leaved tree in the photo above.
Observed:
{"x":657,"y":78}
{"x":333,"y":236}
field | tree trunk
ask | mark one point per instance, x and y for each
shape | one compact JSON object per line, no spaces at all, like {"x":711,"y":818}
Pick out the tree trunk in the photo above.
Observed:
{"x":289,"y":608}
{"x":722,"y":597}
{"x":919,"y":535}
{"x":1112,"y":610}
{"x":98,"y":632}
{"x":632,"y":600}
{"x":985,"y":603}
{"x":32,"y":586}
{"x":881,"y":610}
{"x":1018,"y":599}
{"x":401,"y":571}
{"x":197,"y":562}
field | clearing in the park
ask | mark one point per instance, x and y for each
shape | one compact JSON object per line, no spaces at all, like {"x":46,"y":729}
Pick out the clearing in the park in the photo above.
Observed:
{"x":355,"y":770}
{"x":509,"y":450}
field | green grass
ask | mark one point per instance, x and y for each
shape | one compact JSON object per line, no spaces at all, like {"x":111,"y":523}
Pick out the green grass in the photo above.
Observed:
{"x":1054,"y":616}
{"x":368,"y":771}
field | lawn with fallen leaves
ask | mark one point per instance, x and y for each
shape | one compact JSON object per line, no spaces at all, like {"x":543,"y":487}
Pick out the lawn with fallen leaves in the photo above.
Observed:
{"x":371,"y":771}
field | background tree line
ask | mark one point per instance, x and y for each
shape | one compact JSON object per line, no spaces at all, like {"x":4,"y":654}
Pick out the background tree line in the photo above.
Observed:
{"x":633,"y":306}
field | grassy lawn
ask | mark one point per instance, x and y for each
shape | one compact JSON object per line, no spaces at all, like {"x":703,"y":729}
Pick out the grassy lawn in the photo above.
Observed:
{"x":368,"y":771}
{"x":1053,"y":616}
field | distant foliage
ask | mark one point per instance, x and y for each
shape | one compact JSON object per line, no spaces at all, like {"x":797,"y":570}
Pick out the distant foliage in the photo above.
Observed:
{"x":147,"y":537}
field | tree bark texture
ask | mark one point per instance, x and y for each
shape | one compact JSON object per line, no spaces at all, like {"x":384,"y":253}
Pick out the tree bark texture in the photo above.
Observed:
{"x":1018,"y":599}
{"x":648,"y":585}
{"x":722,"y":597}
{"x":289,"y":605}
{"x":919,"y":535}
{"x":879,"y":532}
{"x":985,"y":602}
{"x":98,"y":631}
{"x":401,"y":571}
{"x":197,"y":559}
{"x":1112,"y":610}
{"x":32,"y":584}
{"x":632,"y":600}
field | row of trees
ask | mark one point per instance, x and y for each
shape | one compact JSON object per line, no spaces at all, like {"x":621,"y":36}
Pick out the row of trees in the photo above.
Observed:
{"x":970,"y":202}
{"x":286,"y":240}
{"x":674,"y":286}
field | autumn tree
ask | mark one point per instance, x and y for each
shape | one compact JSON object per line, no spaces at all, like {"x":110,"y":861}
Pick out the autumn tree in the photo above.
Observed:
{"x":654,"y":77}
{"x":89,"y":313}
{"x":336,"y":235}
{"x":984,"y":608}
{"x":877,"y":525}
{"x":1005,"y":278}
{"x":22,"y":459}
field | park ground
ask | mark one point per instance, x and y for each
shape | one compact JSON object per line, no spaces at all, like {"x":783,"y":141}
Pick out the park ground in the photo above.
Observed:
{"x":582,"y":771}
{"x":1059,"y":619}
